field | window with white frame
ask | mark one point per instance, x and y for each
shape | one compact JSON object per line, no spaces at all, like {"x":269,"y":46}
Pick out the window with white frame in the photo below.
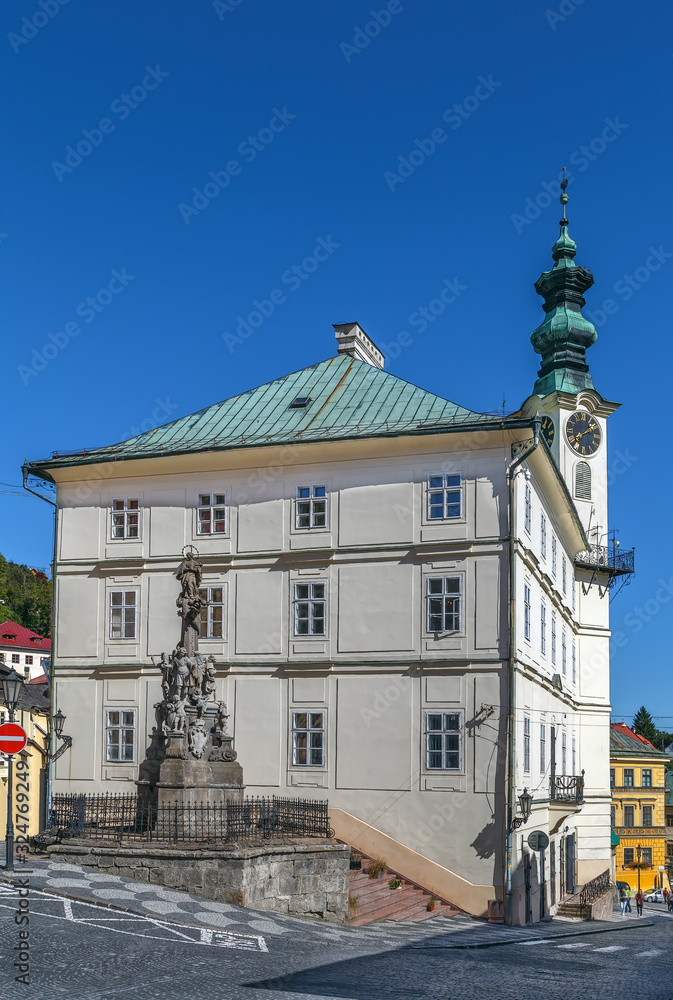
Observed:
{"x":123,"y":614}
{"x":445,"y":496}
{"x":553,"y":639}
{"x":310,"y":509}
{"x":543,"y":748}
{"x":212,"y":616}
{"x":543,"y":629}
{"x":574,"y":655}
{"x":526,"y":744}
{"x":564,"y":652}
{"x":125,"y":518}
{"x":310,"y":608}
{"x":443,"y":741}
{"x":574,"y":587}
{"x":574,"y":755}
{"x":526,"y":612}
{"x":564,"y":753}
{"x":543,"y":535}
{"x":308,"y":739}
{"x":444,"y":603}
{"x":646,"y":856}
{"x":564,"y":574}
{"x":553,"y":555}
{"x":527,"y":508}
{"x":120,"y":735}
{"x":211,"y":514}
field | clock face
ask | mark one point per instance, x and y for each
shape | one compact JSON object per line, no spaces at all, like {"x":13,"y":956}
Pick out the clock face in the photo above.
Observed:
{"x":548,"y":430}
{"x":583,"y":433}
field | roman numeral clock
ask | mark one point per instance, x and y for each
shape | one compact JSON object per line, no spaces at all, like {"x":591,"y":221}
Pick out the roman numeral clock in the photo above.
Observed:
{"x":583,"y":433}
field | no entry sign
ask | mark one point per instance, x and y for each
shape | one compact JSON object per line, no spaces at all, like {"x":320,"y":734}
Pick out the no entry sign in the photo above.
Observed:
{"x":12,"y":738}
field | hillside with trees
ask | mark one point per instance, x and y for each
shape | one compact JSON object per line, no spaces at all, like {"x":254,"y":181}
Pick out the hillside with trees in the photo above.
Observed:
{"x":25,"y":596}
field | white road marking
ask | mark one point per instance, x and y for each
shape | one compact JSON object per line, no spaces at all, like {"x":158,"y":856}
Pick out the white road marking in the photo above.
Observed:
{"x":612,"y":947}
{"x":528,"y":943}
{"x":218,"y":939}
{"x":575,"y":944}
{"x":648,"y":954}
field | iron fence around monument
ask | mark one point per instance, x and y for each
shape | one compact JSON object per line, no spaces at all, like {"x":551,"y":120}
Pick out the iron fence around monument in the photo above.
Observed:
{"x":120,"y":817}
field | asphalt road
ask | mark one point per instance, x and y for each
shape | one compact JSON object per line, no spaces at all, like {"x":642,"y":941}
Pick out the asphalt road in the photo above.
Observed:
{"x":83,"y":952}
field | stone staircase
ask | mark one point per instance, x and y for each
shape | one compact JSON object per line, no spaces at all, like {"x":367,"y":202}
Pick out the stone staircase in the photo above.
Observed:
{"x":570,"y":907}
{"x":377,"y":901}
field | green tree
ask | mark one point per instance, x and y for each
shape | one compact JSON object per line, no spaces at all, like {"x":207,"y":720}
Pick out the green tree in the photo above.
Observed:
{"x":25,"y":597}
{"x":643,"y":724}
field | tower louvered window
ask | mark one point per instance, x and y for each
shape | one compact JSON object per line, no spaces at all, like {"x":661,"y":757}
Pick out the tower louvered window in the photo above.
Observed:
{"x":583,"y":481}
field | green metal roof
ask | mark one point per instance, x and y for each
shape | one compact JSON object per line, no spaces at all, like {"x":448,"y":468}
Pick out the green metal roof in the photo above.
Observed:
{"x":624,"y":740}
{"x":348,"y":399}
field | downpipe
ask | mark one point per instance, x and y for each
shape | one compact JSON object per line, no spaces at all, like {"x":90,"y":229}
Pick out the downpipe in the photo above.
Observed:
{"x":510,"y":809}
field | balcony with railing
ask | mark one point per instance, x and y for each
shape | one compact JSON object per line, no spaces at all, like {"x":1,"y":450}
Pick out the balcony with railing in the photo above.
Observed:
{"x":608,"y":559}
{"x":567,"y":788}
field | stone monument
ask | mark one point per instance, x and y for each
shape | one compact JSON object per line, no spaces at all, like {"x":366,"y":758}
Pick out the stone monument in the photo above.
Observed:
{"x":191,"y":759}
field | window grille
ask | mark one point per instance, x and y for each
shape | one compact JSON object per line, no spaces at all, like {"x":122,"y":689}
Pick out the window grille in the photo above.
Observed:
{"x":445,"y":497}
{"x":443,"y":738}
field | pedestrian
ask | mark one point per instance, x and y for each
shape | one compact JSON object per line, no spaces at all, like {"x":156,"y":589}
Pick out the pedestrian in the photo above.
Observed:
{"x":670,"y":902}
{"x":640,"y":899}
{"x":629,"y":894}
{"x":622,"y":900}
{"x":665,"y":894}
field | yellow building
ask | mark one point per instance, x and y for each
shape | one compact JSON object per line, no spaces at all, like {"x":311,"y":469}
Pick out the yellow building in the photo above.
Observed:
{"x":30,"y":766}
{"x":638,"y":783}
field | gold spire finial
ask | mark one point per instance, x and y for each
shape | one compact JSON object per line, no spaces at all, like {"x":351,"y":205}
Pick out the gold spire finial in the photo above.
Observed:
{"x":564,"y":197}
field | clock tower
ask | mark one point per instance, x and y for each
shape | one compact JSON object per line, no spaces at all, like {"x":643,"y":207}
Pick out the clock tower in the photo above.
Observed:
{"x":573,"y":413}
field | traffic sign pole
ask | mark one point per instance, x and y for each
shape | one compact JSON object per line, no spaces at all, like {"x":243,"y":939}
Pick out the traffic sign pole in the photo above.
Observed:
{"x":12,"y":741}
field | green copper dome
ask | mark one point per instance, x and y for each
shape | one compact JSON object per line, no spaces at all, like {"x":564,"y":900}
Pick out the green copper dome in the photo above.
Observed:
{"x":564,"y":336}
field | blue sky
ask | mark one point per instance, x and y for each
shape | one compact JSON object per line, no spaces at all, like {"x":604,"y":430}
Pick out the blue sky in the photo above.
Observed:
{"x":307,"y":112}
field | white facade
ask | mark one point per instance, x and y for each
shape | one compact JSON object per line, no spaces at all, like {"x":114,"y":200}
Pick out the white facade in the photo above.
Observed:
{"x":405,"y":714}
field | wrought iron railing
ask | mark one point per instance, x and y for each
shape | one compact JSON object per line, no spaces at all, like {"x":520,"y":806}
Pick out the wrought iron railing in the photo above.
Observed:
{"x":567,"y":788}
{"x":594,"y":890}
{"x":120,"y":817}
{"x":608,"y":559}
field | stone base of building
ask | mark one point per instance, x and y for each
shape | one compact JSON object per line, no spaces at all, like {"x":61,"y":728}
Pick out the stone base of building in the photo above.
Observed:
{"x":301,"y":878}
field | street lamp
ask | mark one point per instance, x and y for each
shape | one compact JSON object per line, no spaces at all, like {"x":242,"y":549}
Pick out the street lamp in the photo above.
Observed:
{"x":525,"y":804}
{"x":11,"y":690}
{"x":59,"y":719}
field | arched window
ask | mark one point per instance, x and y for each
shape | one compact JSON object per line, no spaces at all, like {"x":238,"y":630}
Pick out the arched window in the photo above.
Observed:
{"x":583,"y":481}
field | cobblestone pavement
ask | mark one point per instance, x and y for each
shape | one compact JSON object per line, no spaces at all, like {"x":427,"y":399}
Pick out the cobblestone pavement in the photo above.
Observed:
{"x":174,"y":906}
{"x":191,"y":949}
{"x":81,"y":951}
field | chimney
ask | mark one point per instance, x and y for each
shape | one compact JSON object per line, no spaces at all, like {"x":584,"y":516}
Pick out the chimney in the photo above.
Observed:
{"x":353,"y":340}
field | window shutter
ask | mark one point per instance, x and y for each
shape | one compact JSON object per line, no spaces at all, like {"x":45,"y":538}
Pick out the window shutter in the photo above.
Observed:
{"x":583,"y":481}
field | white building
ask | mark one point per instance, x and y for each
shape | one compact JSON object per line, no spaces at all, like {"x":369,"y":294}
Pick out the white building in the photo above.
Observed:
{"x":24,"y":650}
{"x":399,"y":613}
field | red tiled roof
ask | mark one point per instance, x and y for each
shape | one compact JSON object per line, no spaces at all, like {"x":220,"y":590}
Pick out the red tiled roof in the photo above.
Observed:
{"x":625,"y":730}
{"x":24,"y":638}
{"x":42,"y":679}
